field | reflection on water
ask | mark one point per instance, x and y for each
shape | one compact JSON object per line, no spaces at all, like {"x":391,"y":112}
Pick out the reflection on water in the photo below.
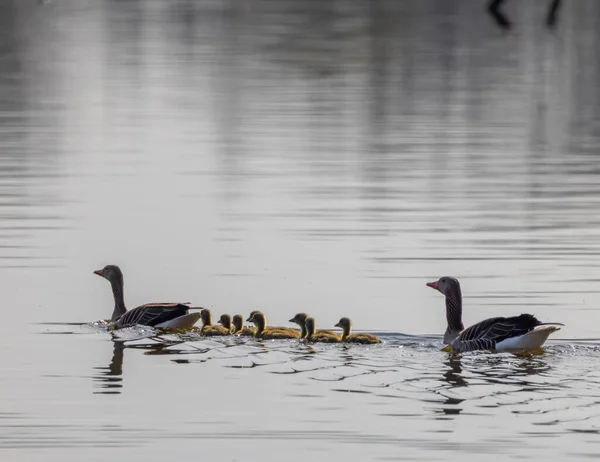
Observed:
{"x":110,"y":378}
{"x":326,"y":156}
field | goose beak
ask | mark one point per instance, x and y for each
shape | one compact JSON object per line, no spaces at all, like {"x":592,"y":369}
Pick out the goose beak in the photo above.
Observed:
{"x":337,"y":325}
{"x":433,"y":285}
{"x":249,"y":320}
{"x":292,"y":320}
{"x":99,"y":272}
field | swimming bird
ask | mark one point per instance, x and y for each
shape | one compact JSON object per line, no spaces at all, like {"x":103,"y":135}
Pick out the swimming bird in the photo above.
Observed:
{"x":239,"y":328}
{"x":208,"y":328}
{"x":162,"y":315}
{"x":300,"y":319}
{"x":312,"y":335}
{"x":225,"y":321}
{"x":348,"y":336}
{"x":513,"y":333}
{"x":264,"y":332}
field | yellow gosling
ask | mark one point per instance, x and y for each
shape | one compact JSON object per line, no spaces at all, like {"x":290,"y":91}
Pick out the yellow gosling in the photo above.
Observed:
{"x":300,"y":319}
{"x":348,"y":336}
{"x":225,"y":321}
{"x":264,"y":332}
{"x":312,"y":335}
{"x":207,"y":326}
{"x":239,"y":328}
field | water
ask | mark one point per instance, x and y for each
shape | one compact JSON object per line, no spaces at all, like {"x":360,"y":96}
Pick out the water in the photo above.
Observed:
{"x":328,"y":157}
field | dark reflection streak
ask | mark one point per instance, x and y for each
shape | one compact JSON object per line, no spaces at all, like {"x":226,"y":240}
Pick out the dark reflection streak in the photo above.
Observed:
{"x":110,"y":378}
{"x":453,"y":375}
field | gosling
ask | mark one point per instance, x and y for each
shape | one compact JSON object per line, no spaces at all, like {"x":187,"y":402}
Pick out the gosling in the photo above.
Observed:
{"x":225,"y":321}
{"x":348,"y":336}
{"x":264,"y":332}
{"x":239,"y":328}
{"x":207,"y":326}
{"x":300,"y":319}
{"x":325,"y":336}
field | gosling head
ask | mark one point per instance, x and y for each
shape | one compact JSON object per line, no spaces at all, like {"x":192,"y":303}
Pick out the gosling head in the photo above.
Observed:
{"x":225,"y":321}
{"x":446,"y":285}
{"x":251,"y":316}
{"x":345,"y":324}
{"x":111,"y":273}
{"x":206,"y":317}
{"x":299,"y":319}
{"x":238,"y":323}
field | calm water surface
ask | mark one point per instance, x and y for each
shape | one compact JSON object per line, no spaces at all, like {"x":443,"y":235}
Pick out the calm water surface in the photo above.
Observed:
{"x":328,"y":157}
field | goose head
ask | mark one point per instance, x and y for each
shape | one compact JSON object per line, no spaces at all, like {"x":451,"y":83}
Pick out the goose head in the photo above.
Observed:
{"x":112,"y":273}
{"x":446,"y":285}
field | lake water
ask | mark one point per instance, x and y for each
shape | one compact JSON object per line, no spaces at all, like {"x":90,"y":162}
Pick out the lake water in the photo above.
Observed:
{"x":329,"y":157}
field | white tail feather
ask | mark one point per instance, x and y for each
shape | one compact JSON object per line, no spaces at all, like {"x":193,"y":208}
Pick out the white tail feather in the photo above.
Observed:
{"x":530,"y":341}
{"x":182,"y":322}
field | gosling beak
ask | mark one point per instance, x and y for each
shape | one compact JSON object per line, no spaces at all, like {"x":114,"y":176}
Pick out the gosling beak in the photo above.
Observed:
{"x":338,"y":325}
{"x":292,"y":320}
{"x":99,"y":272}
{"x":249,"y":320}
{"x":433,"y":285}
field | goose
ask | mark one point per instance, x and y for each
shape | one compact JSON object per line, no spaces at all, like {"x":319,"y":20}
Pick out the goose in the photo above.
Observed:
{"x":264,"y":332}
{"x":523,"y":332}
{"x":161,"y":315}
{"x":239,"y":328}
{"x":208,"y":328}
{"x":324,"y":336}
{"x":347,"y":336}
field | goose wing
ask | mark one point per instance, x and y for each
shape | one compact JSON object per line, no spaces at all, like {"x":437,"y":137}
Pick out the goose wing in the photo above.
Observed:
{"x":486,"y":334}
{"x":152,"y":314}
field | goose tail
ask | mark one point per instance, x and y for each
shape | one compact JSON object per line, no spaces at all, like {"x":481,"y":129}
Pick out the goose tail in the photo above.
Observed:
{"x":532,"y":340}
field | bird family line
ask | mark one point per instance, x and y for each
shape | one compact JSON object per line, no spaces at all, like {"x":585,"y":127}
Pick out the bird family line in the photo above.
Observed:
{"x":523,"y":332}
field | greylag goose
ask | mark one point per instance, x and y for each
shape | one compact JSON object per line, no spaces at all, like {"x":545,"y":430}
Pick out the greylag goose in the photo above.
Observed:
{"x":521,"y":332}
{"x":347,"y":336}
{"x":264,"y":332}
{"x":208,"y":328}
{"x":162,"y":315}
{"x":239,"y":328}
{"x":312,"y":335}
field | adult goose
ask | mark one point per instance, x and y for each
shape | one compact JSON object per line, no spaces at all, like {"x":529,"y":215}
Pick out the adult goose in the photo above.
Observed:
{"x":162,"y":315}
{"x":523,"y":332}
